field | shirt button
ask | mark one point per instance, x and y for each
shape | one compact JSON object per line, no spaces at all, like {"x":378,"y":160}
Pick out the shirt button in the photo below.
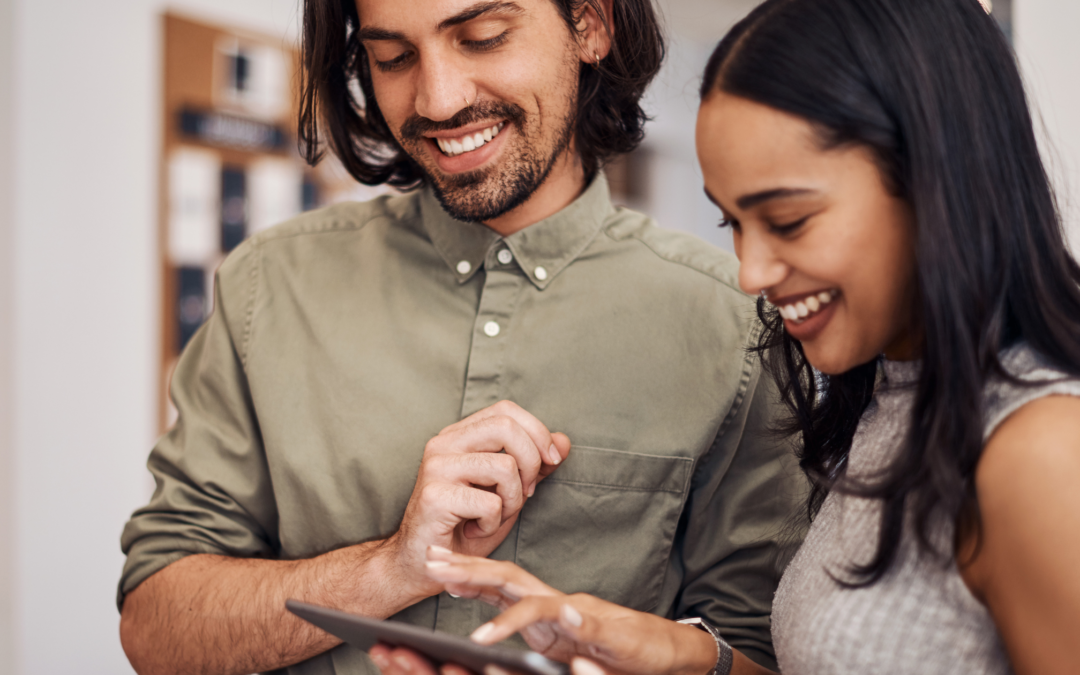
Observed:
{"x":464,"y":267}
{"x":491,"y":329}
{"x":540,"y":273}
{"x":505,"y":256}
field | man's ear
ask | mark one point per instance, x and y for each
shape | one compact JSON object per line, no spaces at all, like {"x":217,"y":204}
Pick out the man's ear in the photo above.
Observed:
{"x":594,"y":32}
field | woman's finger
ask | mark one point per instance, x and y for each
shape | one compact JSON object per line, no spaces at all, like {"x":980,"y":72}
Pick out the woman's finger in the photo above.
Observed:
{"x":404,"y":661}
{"x":519,"y":616}
{"x":459,"y":570}
{"x":583,"y":666}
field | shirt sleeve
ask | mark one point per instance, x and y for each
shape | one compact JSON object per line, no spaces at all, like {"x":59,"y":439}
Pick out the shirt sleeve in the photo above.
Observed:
{"x":745,"y":518}
{"x":213,"y":491}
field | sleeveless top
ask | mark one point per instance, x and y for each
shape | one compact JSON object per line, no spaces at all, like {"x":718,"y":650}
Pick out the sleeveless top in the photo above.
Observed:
{"x":920,"y":617}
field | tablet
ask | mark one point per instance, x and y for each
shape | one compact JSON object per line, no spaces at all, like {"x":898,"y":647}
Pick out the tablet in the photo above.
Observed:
{"x":362,"y":632}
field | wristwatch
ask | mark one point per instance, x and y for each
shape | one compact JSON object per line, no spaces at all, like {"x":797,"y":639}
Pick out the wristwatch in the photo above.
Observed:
{"x":724,"y":655}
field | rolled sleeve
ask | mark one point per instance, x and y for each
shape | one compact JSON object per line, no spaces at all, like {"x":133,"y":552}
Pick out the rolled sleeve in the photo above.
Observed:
{"x":745,"y":519}
{"x":213,"y":490}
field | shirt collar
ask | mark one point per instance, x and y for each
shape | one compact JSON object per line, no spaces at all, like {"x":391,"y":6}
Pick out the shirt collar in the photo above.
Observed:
{"x":542,"y":250}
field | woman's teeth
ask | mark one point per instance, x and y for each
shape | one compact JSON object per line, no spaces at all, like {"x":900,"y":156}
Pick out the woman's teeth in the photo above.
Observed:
{"x":803,"y":309}
{"x":453,"y":147}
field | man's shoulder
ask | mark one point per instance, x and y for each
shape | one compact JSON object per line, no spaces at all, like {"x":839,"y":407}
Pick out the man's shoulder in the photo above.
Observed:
{"x":313,"y":231}
{"x":675,"y":249}
{"x":341,"y":217}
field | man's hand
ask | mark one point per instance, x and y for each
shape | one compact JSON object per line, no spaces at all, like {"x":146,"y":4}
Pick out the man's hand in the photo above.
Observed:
{"x":213,"y":614}
{"x":474,"y":479}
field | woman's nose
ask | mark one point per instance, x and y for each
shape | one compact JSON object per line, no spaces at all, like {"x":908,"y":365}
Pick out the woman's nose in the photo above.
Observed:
{"x":760,"y":268}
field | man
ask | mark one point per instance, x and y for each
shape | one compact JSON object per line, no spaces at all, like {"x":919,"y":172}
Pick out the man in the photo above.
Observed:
{"x":308,"y":460}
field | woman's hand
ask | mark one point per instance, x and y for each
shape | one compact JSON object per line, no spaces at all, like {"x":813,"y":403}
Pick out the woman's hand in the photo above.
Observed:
{"x":615,"y":639}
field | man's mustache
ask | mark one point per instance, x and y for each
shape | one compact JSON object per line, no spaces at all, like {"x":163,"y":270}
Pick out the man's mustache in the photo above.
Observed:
{"x":416,"y":126}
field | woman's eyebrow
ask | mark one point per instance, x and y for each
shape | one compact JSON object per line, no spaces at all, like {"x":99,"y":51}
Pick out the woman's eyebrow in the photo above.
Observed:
{"x":752,"y":200}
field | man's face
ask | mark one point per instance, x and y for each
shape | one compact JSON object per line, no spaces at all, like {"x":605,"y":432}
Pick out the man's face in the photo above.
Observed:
{"x":481,"y":94}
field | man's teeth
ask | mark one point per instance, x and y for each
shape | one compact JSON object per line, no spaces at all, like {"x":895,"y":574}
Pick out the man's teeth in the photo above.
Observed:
{"x":456,"y":146}
{"x":803,"y":309}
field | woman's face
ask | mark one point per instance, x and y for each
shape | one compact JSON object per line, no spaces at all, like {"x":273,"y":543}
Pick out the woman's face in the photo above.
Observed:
{"x":816,"y":230}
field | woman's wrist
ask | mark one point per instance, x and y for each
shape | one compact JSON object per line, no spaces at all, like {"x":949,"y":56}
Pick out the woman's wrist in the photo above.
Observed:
{"x":721,"y":652}
{"x":696,"y":651}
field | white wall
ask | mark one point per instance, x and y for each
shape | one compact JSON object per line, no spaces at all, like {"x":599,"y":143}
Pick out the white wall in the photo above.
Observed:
{"x":7,"y":293}
{"x":85,"y":310}
{"x":1049,"y":53}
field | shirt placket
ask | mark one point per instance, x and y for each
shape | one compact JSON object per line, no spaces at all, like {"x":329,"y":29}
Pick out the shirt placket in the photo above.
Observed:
{"x":492,"y":329}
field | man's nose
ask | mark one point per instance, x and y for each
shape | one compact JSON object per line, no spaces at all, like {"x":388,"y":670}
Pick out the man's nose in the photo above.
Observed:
{"x":443,"y":88}
{"x":759,"y":267}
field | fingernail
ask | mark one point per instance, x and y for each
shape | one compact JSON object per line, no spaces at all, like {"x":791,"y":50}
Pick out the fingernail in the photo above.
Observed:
{"x":432,"y":564}
{"x":571,"y":616}
{"x":380,"y":660}
{"x":555,"y":456}
{"x":452,"y":595}
{"x":482,"y":632}
{"x":532,"y":490}
{"x":440,"y":549}
{"x":403,"y":663}
{"x":513,"y":591}
{"x":492,"y":669}
{"x":580,"y":666}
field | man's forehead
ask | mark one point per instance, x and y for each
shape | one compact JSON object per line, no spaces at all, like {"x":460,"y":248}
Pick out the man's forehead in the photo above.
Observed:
{"x":438,"y":15}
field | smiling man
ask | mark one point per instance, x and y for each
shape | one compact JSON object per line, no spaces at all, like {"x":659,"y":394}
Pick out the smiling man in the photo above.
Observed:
{"x":381,"y":378}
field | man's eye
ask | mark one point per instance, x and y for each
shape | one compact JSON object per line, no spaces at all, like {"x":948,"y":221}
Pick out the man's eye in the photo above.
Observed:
{"x":393,"y":64}
{"x":487,"y":45}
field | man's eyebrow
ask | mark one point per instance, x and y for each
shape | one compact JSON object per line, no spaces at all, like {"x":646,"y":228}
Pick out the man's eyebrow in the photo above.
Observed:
{"x":371,"y":34}
{"x":368,"y":34}
{"x":478,"y":10}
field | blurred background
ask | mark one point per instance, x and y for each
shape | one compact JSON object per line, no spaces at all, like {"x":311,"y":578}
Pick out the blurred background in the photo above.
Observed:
{"x":140,"y":140}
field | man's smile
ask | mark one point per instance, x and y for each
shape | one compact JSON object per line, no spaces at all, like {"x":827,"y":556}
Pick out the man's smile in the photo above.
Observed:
{"x":467,"y":141}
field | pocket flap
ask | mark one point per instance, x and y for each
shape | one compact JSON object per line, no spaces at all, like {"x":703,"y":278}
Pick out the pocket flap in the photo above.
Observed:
{"x":625,"y":470}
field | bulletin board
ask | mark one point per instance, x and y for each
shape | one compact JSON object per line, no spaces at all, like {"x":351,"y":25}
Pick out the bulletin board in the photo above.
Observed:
{"x":230,"y":165}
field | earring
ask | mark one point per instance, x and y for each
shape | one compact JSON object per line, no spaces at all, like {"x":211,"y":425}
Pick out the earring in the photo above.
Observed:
{"x":597,"y":57}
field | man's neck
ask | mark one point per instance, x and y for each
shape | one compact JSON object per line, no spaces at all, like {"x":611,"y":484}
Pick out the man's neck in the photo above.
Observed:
{"x":564,"y":184}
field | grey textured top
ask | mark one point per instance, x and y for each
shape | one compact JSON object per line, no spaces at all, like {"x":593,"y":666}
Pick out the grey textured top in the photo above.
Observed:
{"x":920,"y":617}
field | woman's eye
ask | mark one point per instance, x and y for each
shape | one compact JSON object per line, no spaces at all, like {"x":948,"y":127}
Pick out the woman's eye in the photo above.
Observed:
{"x":729,"y":222}
{"x":393,"y":64}
{"x":487,"y":45}
{"x":788,"y":228}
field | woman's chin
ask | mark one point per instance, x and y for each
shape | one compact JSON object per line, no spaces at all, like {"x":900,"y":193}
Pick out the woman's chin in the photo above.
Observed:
{"x":832,"y":359}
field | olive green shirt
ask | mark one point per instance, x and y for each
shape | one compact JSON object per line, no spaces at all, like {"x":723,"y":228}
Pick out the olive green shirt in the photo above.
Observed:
{"x":343,"y":340}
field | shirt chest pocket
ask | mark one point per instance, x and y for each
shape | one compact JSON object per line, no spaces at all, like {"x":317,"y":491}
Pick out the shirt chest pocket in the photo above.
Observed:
{"x":604,"y":524}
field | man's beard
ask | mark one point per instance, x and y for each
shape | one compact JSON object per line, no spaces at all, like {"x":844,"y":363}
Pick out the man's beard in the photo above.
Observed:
{"x":486,"y":194}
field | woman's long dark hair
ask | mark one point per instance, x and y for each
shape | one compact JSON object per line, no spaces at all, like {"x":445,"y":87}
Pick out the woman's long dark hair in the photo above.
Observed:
{"x":931,"y":87}
{"x":609,"y":117}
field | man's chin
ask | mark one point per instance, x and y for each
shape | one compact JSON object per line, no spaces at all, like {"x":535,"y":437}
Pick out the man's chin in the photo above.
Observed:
{"x":482,"y":196}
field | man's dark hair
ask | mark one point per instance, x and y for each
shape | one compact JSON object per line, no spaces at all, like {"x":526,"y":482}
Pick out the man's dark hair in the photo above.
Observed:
{"x":609,"y":118}
{"x":932,"y":89}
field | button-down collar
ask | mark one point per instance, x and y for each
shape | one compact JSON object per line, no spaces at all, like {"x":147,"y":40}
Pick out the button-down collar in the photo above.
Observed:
{"x":542,"y":250}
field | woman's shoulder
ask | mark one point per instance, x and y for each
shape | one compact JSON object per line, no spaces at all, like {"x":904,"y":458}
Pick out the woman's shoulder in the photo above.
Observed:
{"x":1036,"y":377}
{"x":1030,"y":515}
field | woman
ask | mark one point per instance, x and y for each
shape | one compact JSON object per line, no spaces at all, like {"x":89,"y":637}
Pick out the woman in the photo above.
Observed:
{"x":877,"y":163}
